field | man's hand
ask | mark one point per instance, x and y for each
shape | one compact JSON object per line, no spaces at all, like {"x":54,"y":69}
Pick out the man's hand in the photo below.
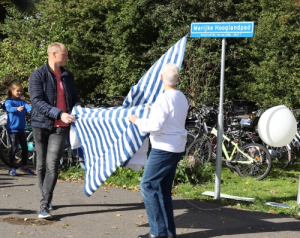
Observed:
{"x":67,"y":118}
{"x":132,"y":118}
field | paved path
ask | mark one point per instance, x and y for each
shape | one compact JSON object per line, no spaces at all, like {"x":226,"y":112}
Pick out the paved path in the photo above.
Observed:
{"x":116,"y":213}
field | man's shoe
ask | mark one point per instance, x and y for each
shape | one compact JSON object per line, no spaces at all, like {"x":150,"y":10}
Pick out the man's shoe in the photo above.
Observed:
{"x":45,"y":214}
{"x":148,"y":235}
{"x":26,"y":170}
{"x":50,"y":207}
{"x":12,"y":172}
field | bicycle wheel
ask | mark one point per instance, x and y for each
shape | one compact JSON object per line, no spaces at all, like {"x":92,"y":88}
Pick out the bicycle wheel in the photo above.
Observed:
{"x":294,"y":151}
{"x":261,"y":165}
{"x":66,"y":159}
{"x":189,"y":140}
{"x":30,"y":146}
{"x":284,"y":157}
{"x":5,"y":150}
{"x":200,"y":149}
{"x":192,"y":128}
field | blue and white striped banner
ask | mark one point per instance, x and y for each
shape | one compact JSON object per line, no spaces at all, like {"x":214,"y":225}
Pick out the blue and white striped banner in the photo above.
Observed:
{"x":107,"y":138}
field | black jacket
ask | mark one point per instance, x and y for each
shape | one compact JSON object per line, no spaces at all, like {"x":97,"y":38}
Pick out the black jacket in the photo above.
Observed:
{"x":43,"y":95}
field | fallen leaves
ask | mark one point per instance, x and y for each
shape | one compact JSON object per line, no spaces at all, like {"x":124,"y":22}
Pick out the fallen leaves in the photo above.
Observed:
{"x":26,"y":221}
{"x":141,"y":223}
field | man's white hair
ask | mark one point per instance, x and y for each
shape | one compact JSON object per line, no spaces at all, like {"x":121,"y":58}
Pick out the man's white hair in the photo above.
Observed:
{"x":54,"y":47}
{"x":170,"y":73}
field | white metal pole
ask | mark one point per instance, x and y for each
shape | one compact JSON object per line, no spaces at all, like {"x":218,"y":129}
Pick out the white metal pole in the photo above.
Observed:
{"x":220,"y":125}
{"x":298,"y":196}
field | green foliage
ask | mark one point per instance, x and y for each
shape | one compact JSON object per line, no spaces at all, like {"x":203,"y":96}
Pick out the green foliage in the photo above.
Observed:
{"x":125,"y":178}
{"x":274,"y":55}
{"x":192,"y":172}
{"x":112,"y":43}
{"x":280,"y":186}
{"x":72,"y":173}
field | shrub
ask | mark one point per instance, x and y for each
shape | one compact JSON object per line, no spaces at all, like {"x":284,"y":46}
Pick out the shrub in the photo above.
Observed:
{"x":190,"y":170}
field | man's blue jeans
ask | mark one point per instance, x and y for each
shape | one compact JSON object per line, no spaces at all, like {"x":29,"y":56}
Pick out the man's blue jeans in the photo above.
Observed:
{"x":156,"y":189}
{"x":49,"y":145}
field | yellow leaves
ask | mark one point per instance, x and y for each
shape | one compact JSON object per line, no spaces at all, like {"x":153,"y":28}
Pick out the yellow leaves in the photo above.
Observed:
{"x":141,"y":223}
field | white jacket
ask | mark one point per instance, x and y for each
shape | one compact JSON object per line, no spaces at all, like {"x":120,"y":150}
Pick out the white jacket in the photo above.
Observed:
{"x":166,"y":122}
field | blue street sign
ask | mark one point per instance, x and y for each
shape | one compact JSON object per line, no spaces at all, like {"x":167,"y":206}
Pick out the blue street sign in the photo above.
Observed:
{"x":222,"y":29}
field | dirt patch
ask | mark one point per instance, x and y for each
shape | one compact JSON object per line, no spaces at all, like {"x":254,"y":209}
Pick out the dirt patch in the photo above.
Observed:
{"x":26,"y":221}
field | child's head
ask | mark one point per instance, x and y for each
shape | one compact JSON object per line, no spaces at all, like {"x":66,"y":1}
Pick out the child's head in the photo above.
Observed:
{"x":15,"y":90}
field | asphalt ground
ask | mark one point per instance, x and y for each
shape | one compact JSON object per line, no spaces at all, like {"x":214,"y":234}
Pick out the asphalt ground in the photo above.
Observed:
{"x":112,"y":212}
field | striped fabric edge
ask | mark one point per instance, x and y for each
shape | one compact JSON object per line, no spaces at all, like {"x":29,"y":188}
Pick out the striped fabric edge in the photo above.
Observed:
{"x":107,"y":138}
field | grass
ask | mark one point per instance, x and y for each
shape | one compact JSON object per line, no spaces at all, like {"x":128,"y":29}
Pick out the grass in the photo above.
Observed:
{"x":280,"y":186}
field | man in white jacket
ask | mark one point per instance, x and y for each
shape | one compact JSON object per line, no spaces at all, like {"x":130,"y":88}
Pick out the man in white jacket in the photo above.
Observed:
{"x":166,"y":125}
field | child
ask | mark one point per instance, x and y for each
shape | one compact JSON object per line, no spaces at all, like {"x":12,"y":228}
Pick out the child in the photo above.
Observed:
{"x":16,"y":109}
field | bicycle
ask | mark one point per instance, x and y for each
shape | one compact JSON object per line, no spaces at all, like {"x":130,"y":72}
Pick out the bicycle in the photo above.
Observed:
{"x":252,"y":160}
{"x":282,"y":156}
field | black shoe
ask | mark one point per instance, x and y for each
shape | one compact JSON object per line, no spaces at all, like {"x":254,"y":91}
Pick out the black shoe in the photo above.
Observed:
{"x":148,"y":235}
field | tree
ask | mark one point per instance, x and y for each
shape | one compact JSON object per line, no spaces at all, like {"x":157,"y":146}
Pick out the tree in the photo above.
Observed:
{"x":112,"y":43}
{"x":274,"y":55}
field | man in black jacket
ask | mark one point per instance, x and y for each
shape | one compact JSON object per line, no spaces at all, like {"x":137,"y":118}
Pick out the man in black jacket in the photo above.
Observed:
{"x":53,"y":95}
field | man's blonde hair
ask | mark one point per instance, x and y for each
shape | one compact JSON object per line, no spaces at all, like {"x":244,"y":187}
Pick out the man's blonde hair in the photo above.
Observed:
{"x":170,"y":74}
{"x":54,"y":47}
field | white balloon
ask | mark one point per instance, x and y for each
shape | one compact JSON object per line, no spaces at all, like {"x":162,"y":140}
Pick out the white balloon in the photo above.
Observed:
{"x":277,"y":126}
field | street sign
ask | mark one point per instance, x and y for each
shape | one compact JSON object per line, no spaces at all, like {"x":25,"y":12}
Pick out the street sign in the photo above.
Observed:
{"x":222,"y":29}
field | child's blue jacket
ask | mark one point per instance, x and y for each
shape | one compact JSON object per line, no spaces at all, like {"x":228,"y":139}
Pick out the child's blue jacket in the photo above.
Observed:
{"x":16,"y":119}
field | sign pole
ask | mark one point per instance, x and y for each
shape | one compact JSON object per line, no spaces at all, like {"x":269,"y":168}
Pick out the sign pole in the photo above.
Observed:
{"x":220,"y":125}
{"x":221,"y":30}
{"x":298,"y":195}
